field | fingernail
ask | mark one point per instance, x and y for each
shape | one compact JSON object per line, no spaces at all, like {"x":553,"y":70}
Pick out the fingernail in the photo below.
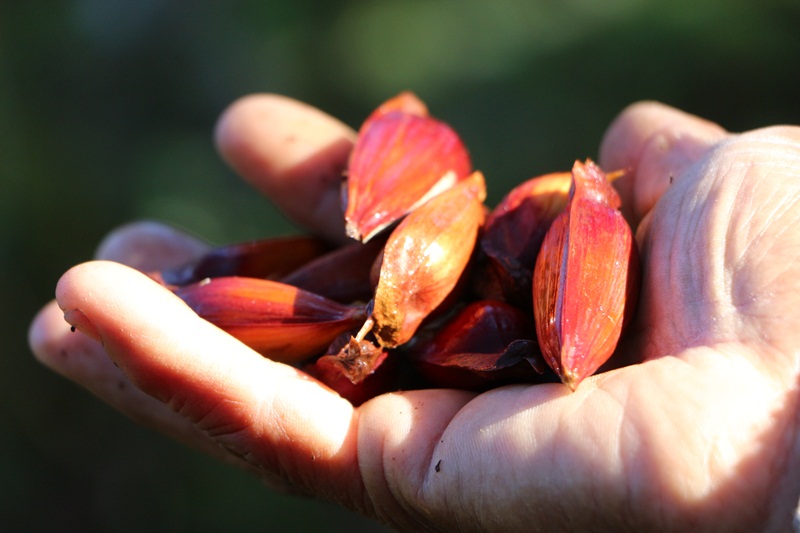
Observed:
{"x":78,"y":321}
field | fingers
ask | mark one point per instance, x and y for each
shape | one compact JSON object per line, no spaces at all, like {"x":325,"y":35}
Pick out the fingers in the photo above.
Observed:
{"x":82,"y":360}
{"x":656,"y":143}
{"x":296,"y":155}
{"x":293,"y":153}
{"x":271,"y":415}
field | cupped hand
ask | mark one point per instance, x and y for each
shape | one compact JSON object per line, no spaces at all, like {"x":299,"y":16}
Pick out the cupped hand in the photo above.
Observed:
{"x":701,"y":433}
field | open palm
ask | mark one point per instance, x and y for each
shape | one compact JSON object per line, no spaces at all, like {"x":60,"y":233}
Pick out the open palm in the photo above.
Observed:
{"x":700,"y":433}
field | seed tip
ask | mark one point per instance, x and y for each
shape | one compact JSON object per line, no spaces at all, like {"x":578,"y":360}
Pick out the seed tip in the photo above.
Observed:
{"x":365,"y":329}
{"x":351,"y":229}
{"x":571,"y":379}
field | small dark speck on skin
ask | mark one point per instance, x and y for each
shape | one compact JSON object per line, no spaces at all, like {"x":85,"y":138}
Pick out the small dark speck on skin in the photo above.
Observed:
{"x":72,"y":329}
{"x":63,"y":353}
{"x":438,"y":466}
{"x":121,"y":385}
{"x":671,"y":178}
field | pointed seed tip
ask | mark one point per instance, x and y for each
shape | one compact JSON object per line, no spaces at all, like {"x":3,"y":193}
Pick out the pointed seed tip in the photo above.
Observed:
{"x":351,"y":229}
{"x":571,"y":380}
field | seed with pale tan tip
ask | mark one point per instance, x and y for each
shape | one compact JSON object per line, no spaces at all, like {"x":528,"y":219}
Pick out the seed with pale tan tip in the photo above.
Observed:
{"x":424,"y":260}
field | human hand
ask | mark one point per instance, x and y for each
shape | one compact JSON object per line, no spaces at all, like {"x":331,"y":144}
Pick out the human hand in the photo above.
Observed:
{"x":701,"y":433}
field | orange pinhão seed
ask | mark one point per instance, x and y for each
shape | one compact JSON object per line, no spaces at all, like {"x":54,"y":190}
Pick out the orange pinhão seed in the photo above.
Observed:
{"x":585,"y":279}
{"x":424,"y":259}
{"x":402,"y":158}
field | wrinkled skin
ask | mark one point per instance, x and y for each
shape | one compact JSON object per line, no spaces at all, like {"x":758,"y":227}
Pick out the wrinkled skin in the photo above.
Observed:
{"x":701,"y":436}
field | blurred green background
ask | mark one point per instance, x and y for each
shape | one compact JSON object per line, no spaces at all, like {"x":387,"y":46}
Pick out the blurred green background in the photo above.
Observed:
{"x":106,"y":114}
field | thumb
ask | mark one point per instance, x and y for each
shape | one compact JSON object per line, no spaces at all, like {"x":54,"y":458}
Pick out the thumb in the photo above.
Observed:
{"x":655,"y":143}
